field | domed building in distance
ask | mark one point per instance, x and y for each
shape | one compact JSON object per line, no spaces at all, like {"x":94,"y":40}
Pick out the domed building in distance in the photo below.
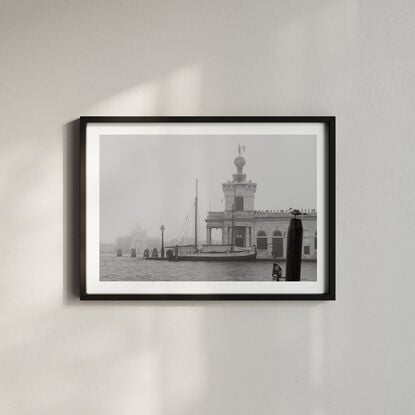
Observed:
{"x":266,"y":229}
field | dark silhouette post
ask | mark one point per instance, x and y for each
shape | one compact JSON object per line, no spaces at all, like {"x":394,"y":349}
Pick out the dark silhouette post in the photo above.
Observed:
{"x":119,"y":252}
{"x":277,"y":272}
{"x":294,"y":248}
{"x":162,"y":241}
{"x":133,"y":252}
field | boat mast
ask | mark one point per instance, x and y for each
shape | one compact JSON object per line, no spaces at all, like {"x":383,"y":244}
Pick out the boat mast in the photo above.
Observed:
{"x":233,"y":217}
{"x":196,"y":218}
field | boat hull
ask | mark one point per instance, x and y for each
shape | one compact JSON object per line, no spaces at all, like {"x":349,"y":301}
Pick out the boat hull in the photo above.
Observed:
{"x":220,"y":257}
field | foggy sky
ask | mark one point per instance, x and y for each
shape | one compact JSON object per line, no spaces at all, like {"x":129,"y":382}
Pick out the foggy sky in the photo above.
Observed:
{"x":150,"y":180}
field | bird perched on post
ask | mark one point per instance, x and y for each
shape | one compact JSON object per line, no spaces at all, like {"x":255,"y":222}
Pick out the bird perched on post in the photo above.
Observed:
{"x":294,"y":212}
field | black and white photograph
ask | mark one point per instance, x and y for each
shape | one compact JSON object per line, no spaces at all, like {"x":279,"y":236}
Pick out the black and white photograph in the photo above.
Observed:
{"x":228,"y":209}
{"x":207,"y":207}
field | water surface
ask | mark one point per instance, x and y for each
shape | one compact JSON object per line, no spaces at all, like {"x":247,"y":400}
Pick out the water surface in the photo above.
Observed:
{"x":125,"y":268}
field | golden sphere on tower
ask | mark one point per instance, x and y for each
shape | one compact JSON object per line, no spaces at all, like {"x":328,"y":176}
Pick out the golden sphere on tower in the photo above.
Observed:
{"x":239,"y":162}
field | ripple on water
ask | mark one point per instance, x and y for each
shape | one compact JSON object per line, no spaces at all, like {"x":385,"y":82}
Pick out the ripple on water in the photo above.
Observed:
{"x":113,"y":268}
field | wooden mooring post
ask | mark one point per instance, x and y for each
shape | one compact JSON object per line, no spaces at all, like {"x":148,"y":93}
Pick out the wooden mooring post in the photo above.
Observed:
{"x":119,"y":252}
{"x":133,"y":253}
{"x":294,"y":250}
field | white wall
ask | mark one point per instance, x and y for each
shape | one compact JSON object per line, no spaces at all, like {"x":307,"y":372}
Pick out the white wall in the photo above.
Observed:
{"x":60,"y":60}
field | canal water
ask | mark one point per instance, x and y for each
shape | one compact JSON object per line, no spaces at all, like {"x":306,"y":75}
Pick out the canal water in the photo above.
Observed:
{"x":125,"y":268}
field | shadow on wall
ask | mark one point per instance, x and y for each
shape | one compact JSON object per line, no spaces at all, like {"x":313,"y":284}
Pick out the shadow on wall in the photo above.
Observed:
{"x":72,"y":212}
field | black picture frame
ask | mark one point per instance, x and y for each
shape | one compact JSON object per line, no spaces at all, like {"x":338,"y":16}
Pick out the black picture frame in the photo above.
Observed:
{"x":330,"y":127}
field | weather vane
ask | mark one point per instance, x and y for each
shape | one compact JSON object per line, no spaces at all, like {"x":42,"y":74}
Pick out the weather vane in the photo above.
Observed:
{"x":241,"y":149}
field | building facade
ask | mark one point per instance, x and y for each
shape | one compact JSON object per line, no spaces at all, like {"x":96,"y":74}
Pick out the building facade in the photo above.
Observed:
{"x":266,"y":229}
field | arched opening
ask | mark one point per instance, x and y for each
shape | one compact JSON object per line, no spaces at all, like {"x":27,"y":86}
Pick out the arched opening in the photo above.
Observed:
{"x":261,"y":240}
{"x":277,"y":244}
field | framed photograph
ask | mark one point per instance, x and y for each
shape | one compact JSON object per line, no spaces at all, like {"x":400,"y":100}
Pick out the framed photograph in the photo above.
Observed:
{"x":226,"y":208}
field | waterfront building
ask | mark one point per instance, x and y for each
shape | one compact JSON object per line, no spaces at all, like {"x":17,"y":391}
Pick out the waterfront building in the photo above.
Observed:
{"x":266,"y":229}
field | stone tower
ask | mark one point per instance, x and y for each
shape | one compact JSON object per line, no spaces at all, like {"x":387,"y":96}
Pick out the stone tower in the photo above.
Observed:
{"x":239,"y":190}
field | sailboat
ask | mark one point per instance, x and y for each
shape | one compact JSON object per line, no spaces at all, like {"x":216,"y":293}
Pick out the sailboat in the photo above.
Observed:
{"x":211,"y":252}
